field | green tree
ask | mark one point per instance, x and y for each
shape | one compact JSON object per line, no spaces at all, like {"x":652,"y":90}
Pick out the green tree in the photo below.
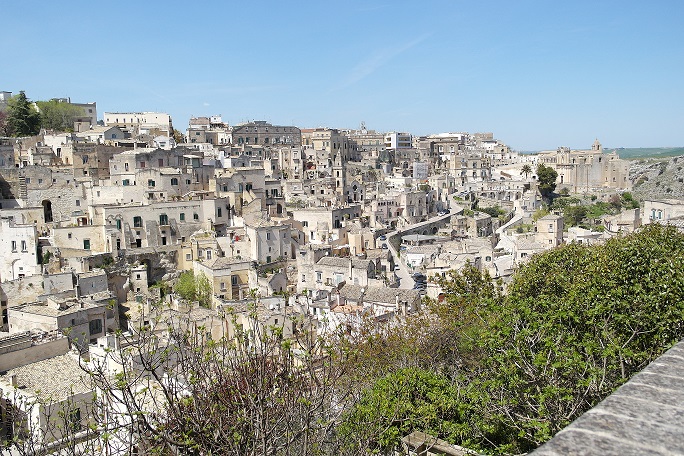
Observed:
{"x":186,"y":287}
{"x":401,"y":402}
{"x":22,"y":117}
{"x":177,"y":135}
{"x":547,"y":179}
{"x":574,"y":214}
{"x":5,"y":128}
{"x":204,"y":290}
{"x":193,"y":287}
{"x":526,"y":170}
{"x":58,"y":116}
{"x":577,"y":323}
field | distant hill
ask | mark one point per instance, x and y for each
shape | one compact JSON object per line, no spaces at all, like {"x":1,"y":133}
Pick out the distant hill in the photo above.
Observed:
{"x":631,"y":153}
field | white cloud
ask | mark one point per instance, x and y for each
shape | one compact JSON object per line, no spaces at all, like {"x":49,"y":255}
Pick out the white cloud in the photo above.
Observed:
{"x":370,"y":65}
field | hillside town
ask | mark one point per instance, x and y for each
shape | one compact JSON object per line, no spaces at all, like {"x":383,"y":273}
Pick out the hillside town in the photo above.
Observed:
{"x":308,"y":230}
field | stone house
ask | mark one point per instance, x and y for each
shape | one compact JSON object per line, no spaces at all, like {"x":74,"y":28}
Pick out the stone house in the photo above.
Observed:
{"x":18,"y":250}
{"x":50,"y":399}
{"x":662,"y":211}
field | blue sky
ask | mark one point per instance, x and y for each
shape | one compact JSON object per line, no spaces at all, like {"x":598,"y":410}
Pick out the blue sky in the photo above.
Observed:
{"x":539,"y":74}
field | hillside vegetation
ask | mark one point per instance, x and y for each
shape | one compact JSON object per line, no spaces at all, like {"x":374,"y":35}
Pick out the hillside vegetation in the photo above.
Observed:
{"x":496,"y":372}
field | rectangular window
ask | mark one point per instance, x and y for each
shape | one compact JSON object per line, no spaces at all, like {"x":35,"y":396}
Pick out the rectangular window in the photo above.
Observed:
{"x":268,"y":236}
{"x":218,"y":212}
{"x":233,"y":280}
{"x":142,"y":164}
{"x":126,"y":182}
{"x":14,"y":246}
{"x":174,"y":181}
{"x":137,"y":222}
{"x":182,"y":216}
{"x":23,"y":246}
{"x":208,"y":254}
{"x":86,"y":244}
{"x":118,"y":224}
{"x":78,"y":202}
{"x":150,"y":183}
{"x":223,"y":285}
{"x":161,"y":162}
{"x":163,"y":219}
{"x":188,"y":256}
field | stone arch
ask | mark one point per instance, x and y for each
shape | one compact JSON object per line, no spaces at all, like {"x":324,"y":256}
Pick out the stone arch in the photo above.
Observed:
{"x":279,"y":209}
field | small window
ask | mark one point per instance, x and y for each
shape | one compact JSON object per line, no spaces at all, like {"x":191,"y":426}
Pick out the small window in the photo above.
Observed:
{"x":69,"y":235}
{"x":182,"y":216}
{"x":137,"y":222}
{"x":150,"y":183}
{"x":195,"y":216}
{"x":188,"y":256}
{"x":86,"y":244}
{"x":142,"y":164}
{"x":174,"y":181}
{"x":126,"y":182}
{"x":163,"y":219}
{"x":78,"y":202}
{"x":23,"y":246}
{"x":14,"y":246}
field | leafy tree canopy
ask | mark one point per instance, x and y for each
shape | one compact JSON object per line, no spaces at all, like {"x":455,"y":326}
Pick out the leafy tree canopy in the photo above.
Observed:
{"x":576,"y":322}
{"x":22,"y":117}
{"x":58,"y":116}
{"x":194,"y":288}
{"x":547,"y":179}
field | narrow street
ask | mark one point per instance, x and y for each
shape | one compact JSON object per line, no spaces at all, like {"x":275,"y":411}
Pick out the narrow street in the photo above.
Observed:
{"x":403,"y":274}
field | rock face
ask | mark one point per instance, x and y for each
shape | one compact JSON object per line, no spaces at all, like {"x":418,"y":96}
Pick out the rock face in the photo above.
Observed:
{"x":658,"y":179}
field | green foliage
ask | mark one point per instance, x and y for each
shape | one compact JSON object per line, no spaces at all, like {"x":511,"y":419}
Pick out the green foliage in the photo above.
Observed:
{"x":573,"y":215}
{"x":495,"y":211}
{"x":194,"y":288}
{"x":539,"y":214}
{"x":57,"y":115}
{"x":577,"y":323}
{"x":564,"y":201}
{"x":5,"y":129}
{"x":403,"y":401}
{"x":526,"y":170}
{"x":22,"y":117}
{"x":547,"y":179}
